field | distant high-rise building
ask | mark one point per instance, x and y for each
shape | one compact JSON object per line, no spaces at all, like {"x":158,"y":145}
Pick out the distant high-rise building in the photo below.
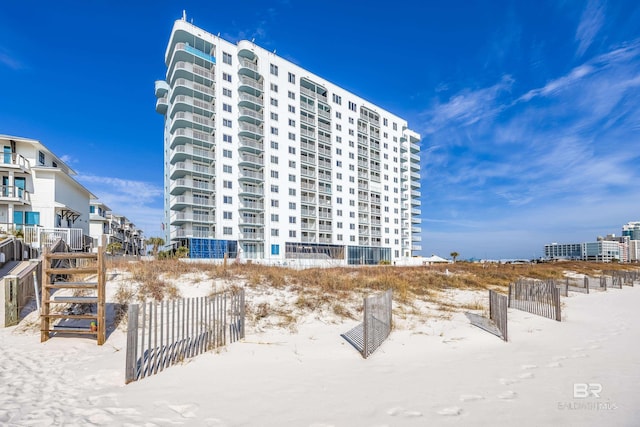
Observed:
{"x":265,"y":160}
{"x":632,"y":229}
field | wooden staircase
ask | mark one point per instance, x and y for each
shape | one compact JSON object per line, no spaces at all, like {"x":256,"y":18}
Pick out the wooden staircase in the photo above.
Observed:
{"x":58,"y":267}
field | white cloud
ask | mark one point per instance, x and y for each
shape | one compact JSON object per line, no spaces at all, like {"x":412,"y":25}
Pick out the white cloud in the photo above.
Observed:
{"x":590,"y":23}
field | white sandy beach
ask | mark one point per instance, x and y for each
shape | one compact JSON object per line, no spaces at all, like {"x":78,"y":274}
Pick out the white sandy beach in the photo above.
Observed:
{"x":438,"y":372}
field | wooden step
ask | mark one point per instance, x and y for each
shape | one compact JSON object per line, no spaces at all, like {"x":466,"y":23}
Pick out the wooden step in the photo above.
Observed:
{"x":77,"y":300}
{"x":73,"y":285}
{"x":71,"y":316}
{"x":74,"y":270}
{"x":71,"y":330}
{"x":73,"y":255}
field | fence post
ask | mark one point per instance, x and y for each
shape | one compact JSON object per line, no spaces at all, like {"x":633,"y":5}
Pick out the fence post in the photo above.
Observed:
{"x":132,"y":343}
{"x":365,"y":331}
{"x":509,"y":300}
{"x":556,"y":302}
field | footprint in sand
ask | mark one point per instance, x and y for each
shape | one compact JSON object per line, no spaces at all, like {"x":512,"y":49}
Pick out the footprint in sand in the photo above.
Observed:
{"x":556,"y":358}
{"x":577,"y":349}
{"x":470,"y":397}
{"x":508,"y":395}
{"x":554,"y":365}
{"x":450,"y":411}
{"x":403,"y":412}
{"x":187,"y":411}
{"x":594,"y":347}
{"x":508,"y":381}
{"x":526,"y":376}
{"x":579,"y":356}
{"x":529,"y":366}
{"x":215,"y":422}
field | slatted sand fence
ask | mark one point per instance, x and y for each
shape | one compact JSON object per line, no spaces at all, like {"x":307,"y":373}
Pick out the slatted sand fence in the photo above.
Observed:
{"x":164,"y":333}
{"x":575,"y":284}
{"x":626,"y":278}
{"x":375,"y":326}
{"x":536,"y":297}
{"x":496,"y":324}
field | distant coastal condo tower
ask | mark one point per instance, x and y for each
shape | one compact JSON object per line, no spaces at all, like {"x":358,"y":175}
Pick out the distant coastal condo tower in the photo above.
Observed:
{"x":265,"y":161}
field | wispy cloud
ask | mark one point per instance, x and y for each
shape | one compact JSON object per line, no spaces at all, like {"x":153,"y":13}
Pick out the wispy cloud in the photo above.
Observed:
{"x":68,"y":159}
{"x":590,"y":23}
{"x":139,"y":201}
{"x":9,"y":60}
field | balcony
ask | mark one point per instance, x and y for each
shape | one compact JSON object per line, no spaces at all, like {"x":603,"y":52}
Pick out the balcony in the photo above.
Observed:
{"x":415,"y":193}
{"x":415,"y":230}
{"x":184,"y":52}
{"x":183,"y":152}
{"x":16,"y":162}
{"x":184,"y":136}
{"x":415,"y":220}
{"x":325,"y":114}
{"x":308,"y":225}
{"x":247,"y":129}
{"x":251,"y":236}
{"x":246,"y":205}
{"x":251,"y":145}
{"x":309,"y":133}
{"x":249,"y":175}
{"x":416,"y":238}
{"x":11,"y":193}
{"x":162,"y":88}
{"x":415,"y":175}
{"x":250,"y":85}
{"x":415,"y":211}
{"x":180,"y":218}
{"x":188,"y":232}
{"x":186,"y":87}
{"x":308,"y":212}
{"x":181,"y":169}
{"x":250,"y":160}
{"x":249,"y":114}
{"x":181,"y":202}
{"x":414,"y":147}
{"x":416,"y":247}
{"x":251,"y":190}
{"x":246,"y":99}
{"x":191,"y":71}
{"x":250,"y":220}
{"x":308,"y":146}
{"x":416,"y":202}
{"x":162,"y":105}
{"x":183,"y":103}
{"x":179,"y":186}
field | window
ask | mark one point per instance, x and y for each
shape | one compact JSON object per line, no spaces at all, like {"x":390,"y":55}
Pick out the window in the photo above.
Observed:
{"x":352,"y":238}
{"x":274,"y":87}
{"x":338,"y":139}
{"x":226,"y":123}
{"x":292,"y":220}
{"x":339,"y":163}
{"x":274,"y":130}
{"x":275,"y":232}
{"x":226,"y":92}
{"x":227,"y":215}
{"x":339,"y":225}
{"x":292,"y":109}
{"x":292,"y":95}
{"x":339,"y":237}
{"x":274,"y":145}
{"x":274,"y":116}
{"x":227,"y":184}
{"x":227,"y":231}
{"x":292,"y":150}
{"x":275,"y":249}
{"x":339,"y":201}
{"x":338,"y":187}
{"x":274,"y":174}
{"x":337,"y":99}
{"x":226,"y":77}
{"x":292,"y":191}
{"x":338,"y":115}
{"x":274,"y":160}
{"x":395,"y":126}
{"x":275,"y":203}
{"x":338,"y":175}
{"x":274,"y":188}
{"x":275,"y":217}
{"x":351,"y":132}
{"x":292,"y":233}
{"x":227,"y":138}
{"x":292,"y":78}
{"x":226,"y":58}
{"x":273,"y":69}
{"x":292,"y":136}
{"x":274,"y":102}
{"x":227,"y":200}
{"x":227,"y":169}
{"x":338,"y":127}
{"x":292,"y":178}
{"x":227,"y":153}
{"x":226,"y":107}
{"x":292,"y":122}
{"x":352,"y":226}
{"x":350,"y":120}
{"x":339,"y":212}
{"x":41,"y":158}
{"x":292,"y":164}
{"x":352,"y":106}
{"x":385,"y":122}
{"x":292,"y":205}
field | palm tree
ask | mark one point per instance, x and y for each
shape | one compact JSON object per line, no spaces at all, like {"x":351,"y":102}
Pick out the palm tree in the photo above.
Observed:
{"x":156,"y":242}
{"x":454,"y":255}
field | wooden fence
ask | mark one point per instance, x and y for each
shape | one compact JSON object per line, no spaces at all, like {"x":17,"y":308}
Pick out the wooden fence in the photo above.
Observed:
{"x":168,"y":332}
{"x":577,"y":285}
{"x":539,"y":298}
{"x":498,"y":305}
{"x":626,"y":278}
{"x":376,"y":325}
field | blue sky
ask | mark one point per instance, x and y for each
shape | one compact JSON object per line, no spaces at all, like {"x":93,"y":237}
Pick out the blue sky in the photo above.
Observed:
{"x":529,"y":111}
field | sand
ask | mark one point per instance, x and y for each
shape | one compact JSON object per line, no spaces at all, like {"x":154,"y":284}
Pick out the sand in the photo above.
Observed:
{"x":432,"y":372}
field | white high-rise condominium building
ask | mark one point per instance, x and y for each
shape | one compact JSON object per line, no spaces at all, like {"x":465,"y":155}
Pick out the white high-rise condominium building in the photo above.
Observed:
{"x":265,"y":160}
